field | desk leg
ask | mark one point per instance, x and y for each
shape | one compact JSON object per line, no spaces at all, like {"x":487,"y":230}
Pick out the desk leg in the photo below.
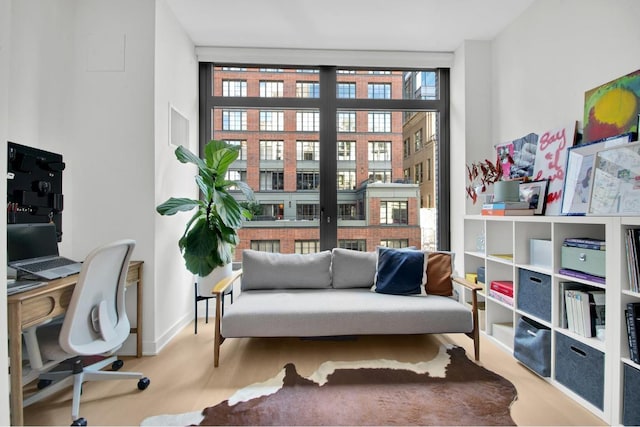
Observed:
{"x":139,"y":314}
{"x":15,"y":360}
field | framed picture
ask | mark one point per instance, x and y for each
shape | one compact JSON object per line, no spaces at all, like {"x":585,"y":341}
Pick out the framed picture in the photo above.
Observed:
{"x":616,"y":181}
{"x":535,"y":192}
{"x":578,"y":177}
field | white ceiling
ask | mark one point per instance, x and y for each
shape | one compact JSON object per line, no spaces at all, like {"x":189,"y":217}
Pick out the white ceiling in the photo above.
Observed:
{"x":405,"y":25}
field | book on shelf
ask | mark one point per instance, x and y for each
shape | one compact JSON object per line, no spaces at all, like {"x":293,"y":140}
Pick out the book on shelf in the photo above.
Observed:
{"x":632,"y":315}
{"x":564,"y":307}
{"x":508,"y":257}
{"x":504,"y":287}
{"x":581,"y":275}
{"x":506,"y":212}
{"x":594,"y":246}
{"x":632,"y":248}
{"x":506,"y":205}
{"x":585,"y":311}
{"x":574,"y":241}
{"x":501,"y":297}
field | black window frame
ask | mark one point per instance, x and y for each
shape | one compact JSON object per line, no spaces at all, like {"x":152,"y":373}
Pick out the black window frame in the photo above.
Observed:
{"x":328,"y":105}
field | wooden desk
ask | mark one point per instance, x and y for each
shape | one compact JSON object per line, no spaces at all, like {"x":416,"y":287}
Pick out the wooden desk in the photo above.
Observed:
{"x":33,"y":307}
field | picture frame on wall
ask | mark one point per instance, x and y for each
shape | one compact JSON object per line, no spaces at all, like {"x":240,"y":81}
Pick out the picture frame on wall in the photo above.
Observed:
{"x":616,"y":178}
{"x":535,"y":192}
{"x":579,"y":173}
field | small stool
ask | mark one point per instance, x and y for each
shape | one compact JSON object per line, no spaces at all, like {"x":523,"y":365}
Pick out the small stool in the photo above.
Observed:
{"x":198,"y":298}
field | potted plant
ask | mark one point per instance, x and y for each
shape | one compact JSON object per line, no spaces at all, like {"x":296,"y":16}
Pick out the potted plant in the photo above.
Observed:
{"x":483,"y":173}
{"x":211,"y":234}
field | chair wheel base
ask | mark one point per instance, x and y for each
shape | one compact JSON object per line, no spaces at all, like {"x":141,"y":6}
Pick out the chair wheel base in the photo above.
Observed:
{"x":143,"y":383}
{"x":79,"y":422}
{"x":43,"y":383}
{"x":115,"y":366}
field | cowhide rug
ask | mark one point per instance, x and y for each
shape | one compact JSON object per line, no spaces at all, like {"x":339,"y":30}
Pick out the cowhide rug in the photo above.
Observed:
{"x":448,"y":390}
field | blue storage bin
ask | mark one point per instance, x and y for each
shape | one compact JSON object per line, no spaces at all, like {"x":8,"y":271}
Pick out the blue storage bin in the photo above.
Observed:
{"x":532,"y":346}
{"x":580,"y":368}
{"x":534,"y":294}
{"x":630,"y":407}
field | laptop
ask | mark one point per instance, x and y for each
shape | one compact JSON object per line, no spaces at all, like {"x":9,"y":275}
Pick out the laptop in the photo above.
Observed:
{"x":33,"y":249}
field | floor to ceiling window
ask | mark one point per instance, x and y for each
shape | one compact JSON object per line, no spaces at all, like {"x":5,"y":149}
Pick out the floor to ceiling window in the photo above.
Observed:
{"x":337,"y":157}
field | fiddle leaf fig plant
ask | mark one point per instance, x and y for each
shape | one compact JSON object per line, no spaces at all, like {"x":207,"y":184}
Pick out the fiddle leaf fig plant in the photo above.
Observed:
{"x":211,"y":234}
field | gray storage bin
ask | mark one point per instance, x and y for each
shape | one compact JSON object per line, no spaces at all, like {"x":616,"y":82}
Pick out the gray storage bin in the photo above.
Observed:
{"x":580,"y":368}
{"x":534,"y":293}
{"x":630,"y":407}
{"x":532,"y":346}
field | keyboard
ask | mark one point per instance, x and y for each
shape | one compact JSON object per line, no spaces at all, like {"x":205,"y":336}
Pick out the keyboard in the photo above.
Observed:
{"x":49,"y":264}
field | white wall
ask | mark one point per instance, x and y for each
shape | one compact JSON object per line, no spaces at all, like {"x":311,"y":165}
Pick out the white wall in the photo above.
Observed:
{"x":176,"y":83}
{"x":546,"y":60}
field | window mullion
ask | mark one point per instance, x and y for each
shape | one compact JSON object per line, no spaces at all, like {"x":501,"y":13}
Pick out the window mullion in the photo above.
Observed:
{"x":328,"y":156}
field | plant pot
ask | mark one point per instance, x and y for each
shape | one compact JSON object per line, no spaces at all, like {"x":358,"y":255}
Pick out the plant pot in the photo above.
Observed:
{"x":506,"y":191}
{"x":206,"y":284}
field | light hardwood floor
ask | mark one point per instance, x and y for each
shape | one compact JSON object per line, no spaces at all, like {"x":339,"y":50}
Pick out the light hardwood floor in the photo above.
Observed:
{"x":183,"y":378}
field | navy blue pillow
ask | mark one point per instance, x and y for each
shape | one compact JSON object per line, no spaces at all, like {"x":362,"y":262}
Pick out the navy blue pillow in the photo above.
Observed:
{"x":400,"y":271}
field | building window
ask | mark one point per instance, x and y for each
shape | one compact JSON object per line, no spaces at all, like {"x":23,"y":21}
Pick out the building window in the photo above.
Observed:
{"x":242,"y":152}
{"x":406,"y":148}
{"x":270,"y":212}
{"x":406,"y":174}
{"x":307,"y":150}
{"x":429,"y":169}
{"x":347,"y":90}
{"x":348,"y":211}
{"x":346,"y":121}
{"x":346,"y":150}
{"x":307,"y":246}
{"x":236,"y":175}
{"x":418,"y":173}
{"x":307,"y":211}
{"x":380,"y":176}
{"x":271,"y":180}
{"x":272,"y":121}
{"x":307,"y":121}
{"x":271,"y":150}
{"x":234,"y":88}
{"x":394,"y":213}
{"x":355,"y":245}
{"x":307,"y":90}
{"x":380,"y":151}
{"x":271,"y":70}
{"x":307,"y":180}
{"x":395,"y":243}
{"x":418,"y":140}
{"x":346,"y":180}
{"x":266,"y":245}
{"x":379,"y":122}
{"x":234,"y":120}
{"x":271,"y":89}
{"x":379,"y":90}
{"x":429,"y":201}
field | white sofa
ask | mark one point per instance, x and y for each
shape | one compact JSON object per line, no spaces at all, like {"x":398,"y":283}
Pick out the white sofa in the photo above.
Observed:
{"x":330,"y":294}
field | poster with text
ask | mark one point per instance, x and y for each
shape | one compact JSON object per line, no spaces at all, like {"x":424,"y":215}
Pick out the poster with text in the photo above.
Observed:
{"x":551,"y":161}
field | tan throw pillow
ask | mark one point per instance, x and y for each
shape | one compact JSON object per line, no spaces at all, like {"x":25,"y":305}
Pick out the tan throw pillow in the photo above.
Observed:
{"x":439,"y":272}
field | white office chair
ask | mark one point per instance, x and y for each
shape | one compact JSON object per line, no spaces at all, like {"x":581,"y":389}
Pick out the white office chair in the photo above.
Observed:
{"x":95,"y":323}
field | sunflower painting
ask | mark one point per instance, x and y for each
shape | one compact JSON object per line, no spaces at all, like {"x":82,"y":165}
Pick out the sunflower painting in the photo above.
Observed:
{"x":612,"y":109}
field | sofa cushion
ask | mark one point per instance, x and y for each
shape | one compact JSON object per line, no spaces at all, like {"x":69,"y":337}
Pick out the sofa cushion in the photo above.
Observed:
{"x":353,"y":269}
{"x":400,"y":271}
{"x":439,"y":273}
{"x":266,"y":270}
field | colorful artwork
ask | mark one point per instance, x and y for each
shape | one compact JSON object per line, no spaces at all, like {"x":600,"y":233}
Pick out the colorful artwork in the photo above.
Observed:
{"x":551,"y":163}
{"x":612,"y":109}
{"x":523,"y":155}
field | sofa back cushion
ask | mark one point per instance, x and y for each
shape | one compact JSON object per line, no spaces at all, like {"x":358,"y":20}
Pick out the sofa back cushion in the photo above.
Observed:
{"x":353,"y":269}
{"x":439,"y":273}
{"x":266,"y":270}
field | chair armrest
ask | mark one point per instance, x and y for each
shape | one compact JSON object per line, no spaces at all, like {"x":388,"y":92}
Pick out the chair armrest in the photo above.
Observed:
{"x":225,"y":283}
